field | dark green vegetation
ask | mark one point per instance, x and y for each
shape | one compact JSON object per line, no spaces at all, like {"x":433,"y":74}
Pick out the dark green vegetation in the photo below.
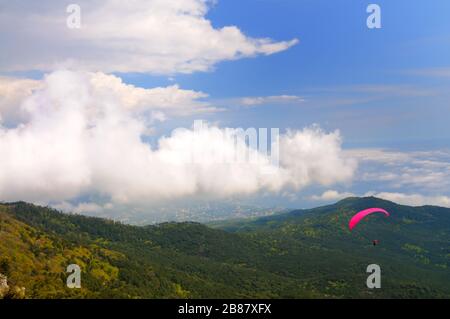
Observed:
{"x":301,"y":254}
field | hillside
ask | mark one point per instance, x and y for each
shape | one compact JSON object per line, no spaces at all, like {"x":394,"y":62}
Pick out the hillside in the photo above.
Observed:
{"x":414,"y":250}
{"x":301,"y":254}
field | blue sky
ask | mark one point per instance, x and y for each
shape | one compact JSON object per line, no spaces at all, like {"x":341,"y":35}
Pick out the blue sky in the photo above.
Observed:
{"x":337,"y":52}
{"x":386,"y":91}
{"x":376,"y":86}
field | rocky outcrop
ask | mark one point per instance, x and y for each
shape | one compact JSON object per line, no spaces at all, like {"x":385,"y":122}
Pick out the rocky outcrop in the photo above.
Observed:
{"x":4,"y":288}
{"x":10,"y":292}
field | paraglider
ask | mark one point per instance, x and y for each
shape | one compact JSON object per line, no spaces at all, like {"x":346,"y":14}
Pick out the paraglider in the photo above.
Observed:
{"x":359,"y":216}
{"x":362,"y":214}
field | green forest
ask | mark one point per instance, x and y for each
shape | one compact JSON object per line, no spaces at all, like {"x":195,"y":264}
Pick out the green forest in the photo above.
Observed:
{"x":300,"y":254}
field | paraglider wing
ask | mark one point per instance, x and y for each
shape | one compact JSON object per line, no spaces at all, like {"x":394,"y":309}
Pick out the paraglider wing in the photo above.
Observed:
{"x":359,"y":216}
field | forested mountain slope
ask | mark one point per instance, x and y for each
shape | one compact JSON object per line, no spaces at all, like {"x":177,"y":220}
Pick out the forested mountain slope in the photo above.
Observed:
{"x":301,"y":254}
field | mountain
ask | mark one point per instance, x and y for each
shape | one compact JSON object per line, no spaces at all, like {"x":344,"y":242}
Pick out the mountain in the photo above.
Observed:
{"x":414,"y":249}
{"x":300,"y":254}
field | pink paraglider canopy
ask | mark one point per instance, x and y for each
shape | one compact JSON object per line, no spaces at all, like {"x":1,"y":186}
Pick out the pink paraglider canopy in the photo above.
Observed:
{"x":359,"y":216}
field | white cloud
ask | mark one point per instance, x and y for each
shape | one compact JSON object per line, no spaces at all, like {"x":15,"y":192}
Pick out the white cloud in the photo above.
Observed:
{"x":331,"y":195}
{"x":406,"y":177}
{"x":275,"y":99}
{"x":413,"y":199}
{"x":168,"y":99}
{"x":12,"y":92}
{"x":158,"y":116}
{"x":154,"y":36}
{"x":77,"y":142}
{"x":424,"y":170}
{"x":157,"y":102}
{"x":314,"y":156}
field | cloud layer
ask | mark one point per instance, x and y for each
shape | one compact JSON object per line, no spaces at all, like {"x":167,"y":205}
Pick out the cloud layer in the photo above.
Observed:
{"x":79,"y":141}
{"x":154,"y":36}
{"x":416,"y":170}
{"x":413,"y":199}
{"x":406,"y":177}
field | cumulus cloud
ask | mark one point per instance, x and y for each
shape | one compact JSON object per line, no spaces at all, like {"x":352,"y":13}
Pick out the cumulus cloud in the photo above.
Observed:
{"x":154,"y":36}
{"x":330,"y":195}
{"x":157,"y":102}
{"x":169,"y":99}
{"x":12,"y":92}
{"x":314,"y":156}
{"x":78,"y":142}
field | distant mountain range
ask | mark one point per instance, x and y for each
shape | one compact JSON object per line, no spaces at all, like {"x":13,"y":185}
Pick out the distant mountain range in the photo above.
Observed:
{"x":299,"y":254}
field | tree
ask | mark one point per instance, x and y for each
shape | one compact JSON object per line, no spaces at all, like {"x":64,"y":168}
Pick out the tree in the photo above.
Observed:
{"x":5,"y":266}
